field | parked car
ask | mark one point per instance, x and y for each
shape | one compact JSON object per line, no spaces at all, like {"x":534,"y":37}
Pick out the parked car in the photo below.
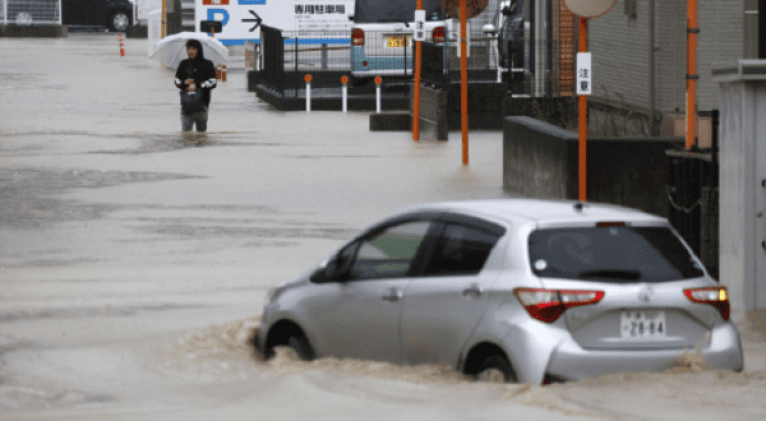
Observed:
{"x":381,"y":37}
{"x":516,"y":290}
{"x":25,"y":12}
{"x":113,"y":14}
{"x":116,"y":15}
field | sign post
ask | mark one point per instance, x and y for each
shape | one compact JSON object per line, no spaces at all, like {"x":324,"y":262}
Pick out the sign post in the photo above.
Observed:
{"x":583,"y":106}
{"x":585,"y":9}
{"x":163,"y":19}
{"x":463,"y":9}
{"x":418,"y":36}
{"x":691,"y":73}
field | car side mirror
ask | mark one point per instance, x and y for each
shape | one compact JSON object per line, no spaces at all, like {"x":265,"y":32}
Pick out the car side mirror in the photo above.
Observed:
{"x":350,"y":17}
{"x":506,"y":11}
{"x":318,"y":276}
{"x":329,"y":271}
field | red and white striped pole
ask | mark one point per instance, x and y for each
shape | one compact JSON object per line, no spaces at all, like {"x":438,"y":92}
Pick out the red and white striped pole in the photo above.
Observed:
{"x":122,"y":46}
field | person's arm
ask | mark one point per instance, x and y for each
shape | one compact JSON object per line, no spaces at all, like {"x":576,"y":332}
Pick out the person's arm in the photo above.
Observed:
{"x":210,"y":74}
{"x":179,"y":81}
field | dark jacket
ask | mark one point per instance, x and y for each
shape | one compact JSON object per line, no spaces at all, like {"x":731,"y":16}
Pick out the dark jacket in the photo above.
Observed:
{"x":201,"y":70}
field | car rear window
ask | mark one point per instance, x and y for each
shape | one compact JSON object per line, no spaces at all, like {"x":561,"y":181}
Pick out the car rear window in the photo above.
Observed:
{"x":620,"y":254}
{"x":376,"y":11}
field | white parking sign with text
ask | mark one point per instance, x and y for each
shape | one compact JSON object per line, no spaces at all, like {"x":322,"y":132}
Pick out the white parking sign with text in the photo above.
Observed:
{"x":241,"y":19}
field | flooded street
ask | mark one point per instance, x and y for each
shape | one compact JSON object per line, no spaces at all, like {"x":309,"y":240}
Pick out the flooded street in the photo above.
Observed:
{"x":134,"y":262}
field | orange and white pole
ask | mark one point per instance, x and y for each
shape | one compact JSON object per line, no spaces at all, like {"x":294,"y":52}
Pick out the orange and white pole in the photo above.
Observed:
{"x":691,"y":73}
{"x":463,"y":80}
{"x":378,"y":81}
{"x":122,"y":46}
{"x":223,"y":73}
{"x":218,"y":72}
{"x":308,"y":79}
{"x":344,"y":90}
{"x":163,"y":24}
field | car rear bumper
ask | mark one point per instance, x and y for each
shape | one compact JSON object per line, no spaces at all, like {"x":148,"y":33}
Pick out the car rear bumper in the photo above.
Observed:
{"x":569,"y":361}
{"x":363,"y":65}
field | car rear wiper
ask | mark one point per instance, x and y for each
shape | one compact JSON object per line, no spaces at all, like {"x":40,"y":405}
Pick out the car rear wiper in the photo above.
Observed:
{"x":631,"y":275}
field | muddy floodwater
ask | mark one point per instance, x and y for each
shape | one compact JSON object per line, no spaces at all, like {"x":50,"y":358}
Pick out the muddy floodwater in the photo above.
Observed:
{"x":134,"y":261}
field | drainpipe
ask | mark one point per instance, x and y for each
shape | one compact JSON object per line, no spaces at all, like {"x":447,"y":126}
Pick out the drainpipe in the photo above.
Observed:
{"x":652,"y":85}
{"x":691,"y":73}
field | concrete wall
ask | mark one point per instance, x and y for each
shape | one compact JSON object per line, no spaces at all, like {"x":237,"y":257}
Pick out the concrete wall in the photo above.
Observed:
{"x":742,"y":195}
{"x":42,"y":31}
{"x":485,"y":105}
{"x":433,"y":113}
{"x":541,"y":160}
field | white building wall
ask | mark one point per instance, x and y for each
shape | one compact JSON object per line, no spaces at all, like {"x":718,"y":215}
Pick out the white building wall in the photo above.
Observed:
{"x":621,"y":52}
{"x":721,"y":39}
{"x":619,"y":46}
{"x":670,"y":56}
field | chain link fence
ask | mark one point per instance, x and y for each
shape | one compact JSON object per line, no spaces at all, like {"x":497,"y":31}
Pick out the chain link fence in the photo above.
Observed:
{"x":30,"y":12}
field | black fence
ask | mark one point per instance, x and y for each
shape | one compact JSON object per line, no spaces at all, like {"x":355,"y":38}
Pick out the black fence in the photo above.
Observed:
{"x":272,"y":50}
{"x":527,"y":71}
{"x":288,"y":57}
{"x":693,"y":198}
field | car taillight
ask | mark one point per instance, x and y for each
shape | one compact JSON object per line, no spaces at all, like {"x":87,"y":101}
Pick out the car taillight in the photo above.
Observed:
{"x":438,"y":34}
{"x":357,"y":36}
{"x":610,"y":224}
{"x":547,"y":305}
{"x":715,"y":296}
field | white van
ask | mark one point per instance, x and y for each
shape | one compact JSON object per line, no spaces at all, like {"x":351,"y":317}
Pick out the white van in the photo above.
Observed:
{"x":381,"y":37}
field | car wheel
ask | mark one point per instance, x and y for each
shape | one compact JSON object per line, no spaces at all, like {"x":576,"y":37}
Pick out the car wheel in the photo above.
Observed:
{"x":301,"y":346}
{"x":119,"y":22}
{"x":495,"y":369}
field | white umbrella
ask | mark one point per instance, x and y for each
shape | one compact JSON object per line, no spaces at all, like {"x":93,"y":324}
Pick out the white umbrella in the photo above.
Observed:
{"x":172,"y":49}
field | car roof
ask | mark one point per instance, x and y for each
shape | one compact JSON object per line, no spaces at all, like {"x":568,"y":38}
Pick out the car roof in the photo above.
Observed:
{"x":543,"y":212}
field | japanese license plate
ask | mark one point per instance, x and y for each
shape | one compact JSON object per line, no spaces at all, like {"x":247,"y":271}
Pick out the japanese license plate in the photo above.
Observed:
{"x":394,"y":42}
{"x":643,"y":324}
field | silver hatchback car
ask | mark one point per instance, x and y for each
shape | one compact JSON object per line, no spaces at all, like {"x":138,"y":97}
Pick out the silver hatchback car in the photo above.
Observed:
{"x":530,"y":290}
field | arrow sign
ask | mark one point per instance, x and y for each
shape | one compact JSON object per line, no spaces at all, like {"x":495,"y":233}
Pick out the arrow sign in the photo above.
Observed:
{"x":257,"y":19}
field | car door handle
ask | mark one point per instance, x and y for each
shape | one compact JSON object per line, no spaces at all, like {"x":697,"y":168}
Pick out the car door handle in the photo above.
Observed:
{"x":394,"y":295}
{"x":473,"y":291}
